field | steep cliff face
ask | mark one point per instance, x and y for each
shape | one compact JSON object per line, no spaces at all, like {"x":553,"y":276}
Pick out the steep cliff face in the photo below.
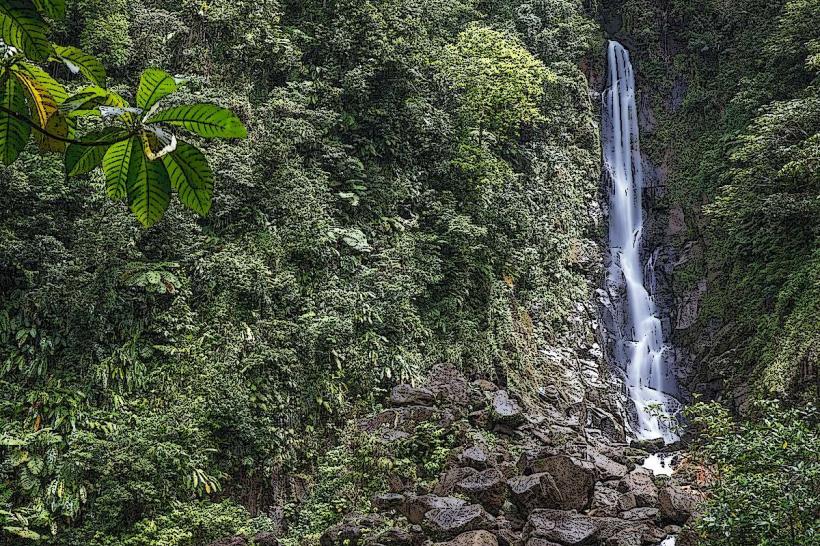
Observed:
{"x":730,"y":193}
{"x":673,"y":244}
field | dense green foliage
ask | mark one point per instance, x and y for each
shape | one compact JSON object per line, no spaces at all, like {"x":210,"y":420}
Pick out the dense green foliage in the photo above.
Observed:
{"x":158,"y":385}
{"x":767,"y":482}
{"x":736,"y":88}
{"x":418,"y":186}
{"x":360,"y":466}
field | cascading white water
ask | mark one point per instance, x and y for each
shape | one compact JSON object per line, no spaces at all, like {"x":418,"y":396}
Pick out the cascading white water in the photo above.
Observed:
{"x":639,"y":345}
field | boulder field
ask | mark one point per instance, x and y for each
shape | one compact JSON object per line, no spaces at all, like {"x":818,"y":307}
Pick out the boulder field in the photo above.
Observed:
{"x":516,"y":479}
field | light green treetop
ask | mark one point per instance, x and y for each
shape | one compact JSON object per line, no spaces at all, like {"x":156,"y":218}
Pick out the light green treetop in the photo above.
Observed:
{"x":500,"y":82}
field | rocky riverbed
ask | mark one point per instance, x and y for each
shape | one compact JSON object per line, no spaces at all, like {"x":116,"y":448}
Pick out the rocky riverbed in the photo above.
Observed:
{"x":531,"y":479}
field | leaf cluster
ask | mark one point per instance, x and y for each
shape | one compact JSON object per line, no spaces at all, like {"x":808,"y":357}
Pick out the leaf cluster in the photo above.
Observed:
{"x":142,"y":159}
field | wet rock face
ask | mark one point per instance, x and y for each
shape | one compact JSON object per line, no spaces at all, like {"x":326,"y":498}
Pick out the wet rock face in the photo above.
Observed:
{"x":505,"y":410}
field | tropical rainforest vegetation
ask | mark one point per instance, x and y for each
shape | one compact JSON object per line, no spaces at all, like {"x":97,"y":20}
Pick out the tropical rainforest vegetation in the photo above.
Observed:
{"x":365,"y":188}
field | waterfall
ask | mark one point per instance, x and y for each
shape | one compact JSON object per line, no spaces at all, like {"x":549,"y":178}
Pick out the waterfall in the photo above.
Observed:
{"x":639,"y":346}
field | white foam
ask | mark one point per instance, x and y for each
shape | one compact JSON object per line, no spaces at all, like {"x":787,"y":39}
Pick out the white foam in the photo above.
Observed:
{"x":659,"y":463}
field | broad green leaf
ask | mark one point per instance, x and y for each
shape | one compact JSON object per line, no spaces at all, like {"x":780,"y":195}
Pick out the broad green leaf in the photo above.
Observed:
{"x":22,"y":27}
{"x":88,"y":100}
{"x":53,"y":8}
{"x":59,"y":126}
{"x":45,"y":94}
{"x":157,"y":142}
{"x":117,"y":163}
{"x":149,"y":190}
{"x":190,"y":176}
{"x":154,"y":84}
{"x":43,"y":79}
{"x":23,"y":533}
{"x":80,"y":159}
{"x":79,"y":61}
{"x":13,"y":133}
{"x":207,"y":120}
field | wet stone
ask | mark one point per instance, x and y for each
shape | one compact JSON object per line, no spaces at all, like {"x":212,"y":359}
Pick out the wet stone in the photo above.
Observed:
{"x":414,"y":508}
{"x":407,"y":395}
{"x":506,"y":410}
{"x":446,"y":523}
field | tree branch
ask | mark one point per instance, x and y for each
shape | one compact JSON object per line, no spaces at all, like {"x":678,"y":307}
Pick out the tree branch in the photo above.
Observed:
{"x":36,"y":127}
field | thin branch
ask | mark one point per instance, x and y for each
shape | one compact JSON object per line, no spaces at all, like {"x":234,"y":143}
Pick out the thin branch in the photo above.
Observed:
{"x":36,"y":127}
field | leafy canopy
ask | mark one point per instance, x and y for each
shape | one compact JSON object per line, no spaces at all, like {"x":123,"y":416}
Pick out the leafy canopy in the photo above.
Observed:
{"x":500,"y":82}
{"x":140,"y":155}
{"x":768,"y":486}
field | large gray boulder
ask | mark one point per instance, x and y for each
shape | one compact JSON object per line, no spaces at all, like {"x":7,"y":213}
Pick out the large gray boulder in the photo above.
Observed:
{"x":487,"y":488}
{"x":640,"y":483}
{"x":447,"y":523}
{"x":505,"y":410}
{"x":641,"y":513}
{"x":473,"y":538}
{"x":631,"y":536}
{"x":607,"y":468}
{"x":534,"y":491}
{"x":415,"y":507}
{"x":476,"y":456}
{"x":407,"y":395}
{"x":572,"y":529}
{"x":449,"y":385}
{"x":605,"y":500}
{"x":677,"y":505}
{"x":449,"y":478}
{"x":575,"y":479}
{"x":538,"y":541}
{"x":387,"y":501}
